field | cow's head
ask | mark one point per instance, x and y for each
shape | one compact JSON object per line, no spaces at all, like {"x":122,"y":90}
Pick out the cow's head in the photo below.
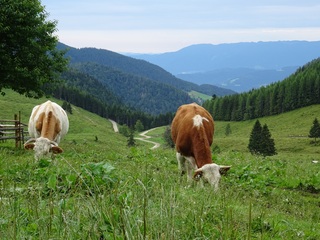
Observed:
{"x":42,"y":147}
{"x":211,"y":173}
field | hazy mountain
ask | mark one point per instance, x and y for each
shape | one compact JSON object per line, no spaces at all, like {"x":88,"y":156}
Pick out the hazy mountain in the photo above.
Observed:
{"x":138,"y":67}
{"x":237,"y":66}
{"x":239,"y":79}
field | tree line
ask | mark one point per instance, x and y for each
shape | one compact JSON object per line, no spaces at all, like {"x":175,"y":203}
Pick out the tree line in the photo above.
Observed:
{"x":116,"y":111}
{"x":299,"y":90}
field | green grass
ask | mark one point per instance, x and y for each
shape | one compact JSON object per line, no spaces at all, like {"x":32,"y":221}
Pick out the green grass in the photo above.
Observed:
{"x":202,"y":96}
{"x":105,"y":190}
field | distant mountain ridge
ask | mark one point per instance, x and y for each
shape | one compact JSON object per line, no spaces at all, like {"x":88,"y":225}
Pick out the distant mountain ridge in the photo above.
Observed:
{"x":239,"y":79}
{"x":138,"y":84}
{"x":201,"y":63}
{"x":137,"y":67}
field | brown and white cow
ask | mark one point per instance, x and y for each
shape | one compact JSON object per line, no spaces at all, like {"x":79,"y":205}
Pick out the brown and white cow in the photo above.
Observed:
{"x":192,"y":132}
{"x":48,"y":124}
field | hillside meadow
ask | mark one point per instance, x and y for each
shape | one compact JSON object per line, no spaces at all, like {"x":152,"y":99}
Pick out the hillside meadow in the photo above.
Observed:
{"x":99,"y":188}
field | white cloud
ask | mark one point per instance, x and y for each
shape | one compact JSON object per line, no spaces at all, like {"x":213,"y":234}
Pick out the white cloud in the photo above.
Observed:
{"x":163,"y":25}
{"x":156,"y":41}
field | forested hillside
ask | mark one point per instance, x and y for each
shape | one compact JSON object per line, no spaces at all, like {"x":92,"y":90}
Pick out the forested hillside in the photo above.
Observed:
{"x":301,"y":89}
{"x":135,"y":91}
{"x":88,"y":93}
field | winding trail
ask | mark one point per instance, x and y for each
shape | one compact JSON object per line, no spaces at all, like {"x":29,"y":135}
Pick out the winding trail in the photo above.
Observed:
{"x":114,"y":125}
{"x":144,"y":138}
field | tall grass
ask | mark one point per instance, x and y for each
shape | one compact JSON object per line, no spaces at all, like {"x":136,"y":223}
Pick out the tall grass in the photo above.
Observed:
{"x":101,"y":189}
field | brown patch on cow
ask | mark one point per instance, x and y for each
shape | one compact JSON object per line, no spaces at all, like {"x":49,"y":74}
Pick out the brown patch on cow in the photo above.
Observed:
{"x":49,"y":126}
{"x":40,"y":121}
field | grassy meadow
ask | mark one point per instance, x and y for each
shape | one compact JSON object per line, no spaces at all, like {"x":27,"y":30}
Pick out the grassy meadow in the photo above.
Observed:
{"x":199,"y":95}
{"x":98,"y":188}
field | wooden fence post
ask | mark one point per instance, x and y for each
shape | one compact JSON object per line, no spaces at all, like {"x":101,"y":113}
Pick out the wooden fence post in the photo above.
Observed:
{"x":16,"y":129}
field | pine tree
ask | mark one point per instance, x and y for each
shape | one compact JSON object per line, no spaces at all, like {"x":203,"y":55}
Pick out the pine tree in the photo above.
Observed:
{"x":267,"y":147}
{"x":167,"y":137}
{"x":315,"y":130}
{"x":131,"y":142}
{"x":69,"y":108}
{"x":254,"y":141}
{"x":260,"y":141}
{"x":228,"y":129}
{"x":139,"y":126}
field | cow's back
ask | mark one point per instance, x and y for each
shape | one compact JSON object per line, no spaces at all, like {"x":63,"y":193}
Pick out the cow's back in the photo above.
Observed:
{"x":40,"y":112}
{"x":183,"y":129}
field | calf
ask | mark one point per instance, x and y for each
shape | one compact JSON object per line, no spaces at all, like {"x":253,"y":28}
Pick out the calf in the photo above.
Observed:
{"x":192,"y":132}
{"x":48,"y":124}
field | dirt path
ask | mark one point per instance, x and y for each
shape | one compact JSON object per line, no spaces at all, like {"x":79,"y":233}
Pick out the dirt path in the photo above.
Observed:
{"x":144,"y":138}
{"x":114,"y":125}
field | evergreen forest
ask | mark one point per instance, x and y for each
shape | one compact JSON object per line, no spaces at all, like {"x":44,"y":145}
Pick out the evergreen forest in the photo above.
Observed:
{"x":88,"y":93}
{"x":299,"y":90}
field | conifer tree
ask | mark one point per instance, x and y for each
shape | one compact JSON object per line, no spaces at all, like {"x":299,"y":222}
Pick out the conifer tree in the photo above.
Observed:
{"x":267,"y":147}
{"x":254,"y":141}
{"x":228,"y":129}
{"x":167,"y":137}
{"x":131,"y":141}
{"x":315,"y":130}
{"x":260,"y":141}
{"x":67,"y":107}
{"x":139,"y":126}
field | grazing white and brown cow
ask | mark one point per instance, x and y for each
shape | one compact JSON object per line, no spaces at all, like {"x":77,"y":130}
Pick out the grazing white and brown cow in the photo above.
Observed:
{"x":48,"y":124}
{"x":192,"y":132}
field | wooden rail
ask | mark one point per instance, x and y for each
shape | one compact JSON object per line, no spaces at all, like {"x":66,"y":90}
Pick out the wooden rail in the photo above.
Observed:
{"x":13,"y":129}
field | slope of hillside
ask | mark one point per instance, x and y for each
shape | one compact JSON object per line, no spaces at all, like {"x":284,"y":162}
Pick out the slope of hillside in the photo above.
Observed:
{"x":92,"y":86}
{"x":135,"y":91}
{"x":82,"y":122}
{"x":300,"y":89}
{"x":102,"y":189}
{"x":290,"y":131}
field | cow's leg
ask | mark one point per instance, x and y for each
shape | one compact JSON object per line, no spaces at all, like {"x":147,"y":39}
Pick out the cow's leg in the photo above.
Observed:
{"x":190,"y":167}
{"x":181,"y":163}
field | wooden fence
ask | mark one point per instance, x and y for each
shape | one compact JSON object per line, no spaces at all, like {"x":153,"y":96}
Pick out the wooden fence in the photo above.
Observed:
{"x":13,"y":129}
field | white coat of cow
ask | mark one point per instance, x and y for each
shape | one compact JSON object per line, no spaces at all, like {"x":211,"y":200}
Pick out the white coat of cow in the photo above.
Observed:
{"x":192,"y":132}
{"x":48,"y":124}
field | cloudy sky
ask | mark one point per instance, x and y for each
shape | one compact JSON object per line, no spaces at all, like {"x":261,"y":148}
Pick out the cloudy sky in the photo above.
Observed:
{"x":156,"y":26}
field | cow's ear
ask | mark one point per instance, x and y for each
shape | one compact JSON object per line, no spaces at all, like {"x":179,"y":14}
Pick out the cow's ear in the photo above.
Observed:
{"x":56,"y":149}
{"x":29,"y":146}
{"x":224,"y":169}
{"x":198,"y":174}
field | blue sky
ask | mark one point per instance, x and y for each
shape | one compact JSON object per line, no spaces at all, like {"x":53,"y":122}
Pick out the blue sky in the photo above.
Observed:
{"x":147,"y":26}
